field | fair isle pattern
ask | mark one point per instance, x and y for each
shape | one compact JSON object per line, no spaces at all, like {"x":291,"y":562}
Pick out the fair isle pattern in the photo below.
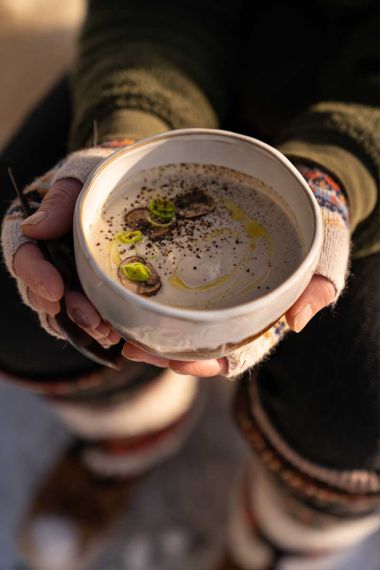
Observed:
{"x":333,"y":262}
{"x":280,"y":328}
{"x":246,"y":545}
{"x":295,"y":534}
{"x":351,"y":481}
{"x":328,"y":194}
{"x":117,"y":143}
{"x":331,"y":497}
{"x":11,"y":235}
{"x":131,"y":456}
{"x":150,"y":407}
{"x":270,"y":528}
{"x":251,"y":354}
{"x":61,"y":388}
{"x":34,"y":199}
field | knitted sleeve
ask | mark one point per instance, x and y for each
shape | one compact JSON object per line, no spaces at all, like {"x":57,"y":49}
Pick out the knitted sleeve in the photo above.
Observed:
{"x":344,"y":139}
{"x":341,"y":131}
{"x":144,"y":67}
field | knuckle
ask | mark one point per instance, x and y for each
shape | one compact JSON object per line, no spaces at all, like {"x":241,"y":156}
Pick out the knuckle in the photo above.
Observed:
{"x":50,"y":308}
{"x":92,"y":333}
{"x":60,"y":194}
{"x":328,"y":292}
{"x":113,"y":336}
{"x":53,"y":324}
{"x":103,"y":329}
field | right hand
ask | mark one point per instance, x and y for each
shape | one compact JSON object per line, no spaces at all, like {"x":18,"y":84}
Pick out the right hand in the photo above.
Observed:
{"x":45,"y":286}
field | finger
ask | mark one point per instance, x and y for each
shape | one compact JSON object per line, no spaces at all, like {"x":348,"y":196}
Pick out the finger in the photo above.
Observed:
{"x":319,"y":294}
{"x":103,"y":329}
{"x":54,"y":217}
{"x":113,"y":337}
{"x":100,"y":337}
{"x":100,"y":333}
{"x":37,"y":273}
{"x":105,"y":335}
{"x":40,"y":304}
{"x":203,"y":368}
{"x":136,"y":354}
{"x":53,"y":324}
{"x":83,"y":312}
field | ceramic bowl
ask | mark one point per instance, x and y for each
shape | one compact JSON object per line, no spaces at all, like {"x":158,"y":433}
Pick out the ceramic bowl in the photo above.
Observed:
{"x":185,"y":334}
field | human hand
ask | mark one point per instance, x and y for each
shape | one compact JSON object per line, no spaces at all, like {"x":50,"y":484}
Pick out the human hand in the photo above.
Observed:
{"x":40,"y":284}
{"x":319,"y":294}
{"x":323,"y":289}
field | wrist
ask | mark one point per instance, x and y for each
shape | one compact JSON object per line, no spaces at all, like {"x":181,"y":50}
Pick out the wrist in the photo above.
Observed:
{"x":333,"y":202}
{"x":327,"y":191}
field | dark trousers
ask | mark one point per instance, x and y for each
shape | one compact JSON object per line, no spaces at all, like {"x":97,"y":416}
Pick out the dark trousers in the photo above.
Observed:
{"x":25,"y":349}
{"x":321,"y":387}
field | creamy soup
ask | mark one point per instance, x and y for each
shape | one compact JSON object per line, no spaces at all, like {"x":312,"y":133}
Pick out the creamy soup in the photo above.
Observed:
{"x":196,"y":236}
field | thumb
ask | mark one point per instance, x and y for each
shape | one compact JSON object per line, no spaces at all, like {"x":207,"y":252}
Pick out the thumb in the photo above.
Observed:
{"x":318,"y":294}
{"x":54,"y":217}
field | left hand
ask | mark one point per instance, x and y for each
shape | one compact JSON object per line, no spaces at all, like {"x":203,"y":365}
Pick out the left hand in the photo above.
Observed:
{"x":318,"y":294}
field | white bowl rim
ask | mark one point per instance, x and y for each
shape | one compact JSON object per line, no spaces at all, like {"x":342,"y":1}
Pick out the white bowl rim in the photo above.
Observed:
{"x":203,"y":315}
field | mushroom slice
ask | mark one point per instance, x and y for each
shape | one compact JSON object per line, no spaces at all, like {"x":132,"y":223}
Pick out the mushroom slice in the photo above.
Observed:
{"x":149,"y":286}
{"x":194,"y":204}
{"x":140,"y":219}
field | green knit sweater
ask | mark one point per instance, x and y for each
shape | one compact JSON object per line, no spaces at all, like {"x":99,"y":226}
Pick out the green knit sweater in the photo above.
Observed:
{"x":302,"y":78}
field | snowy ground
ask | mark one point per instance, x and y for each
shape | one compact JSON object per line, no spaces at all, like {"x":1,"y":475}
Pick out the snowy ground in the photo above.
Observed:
{"x":177,"y":518}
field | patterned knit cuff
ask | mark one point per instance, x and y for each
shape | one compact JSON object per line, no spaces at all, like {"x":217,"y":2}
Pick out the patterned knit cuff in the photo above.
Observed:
{"x":251,"y":354}
{"x":11,"y":235}
{"x":81,"y":163}
{"x":333,"y":261}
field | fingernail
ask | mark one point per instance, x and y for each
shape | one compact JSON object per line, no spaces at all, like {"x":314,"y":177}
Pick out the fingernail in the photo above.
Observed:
{"x":80,"y":318}
{"x":35,"y":218}
{"x":303,"y":317}
{"x":132,"y":359}
{"x":223,"y":365}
